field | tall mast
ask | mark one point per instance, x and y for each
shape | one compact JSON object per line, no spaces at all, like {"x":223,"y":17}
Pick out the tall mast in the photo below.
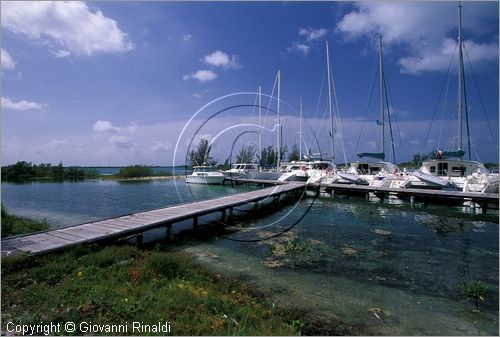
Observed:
{"x":300,"y":131}
{"x":382,"y":92}
{"x":330,"y":110}
{"x":460,"y":72}
{"x":260,"y":127}
{"x":278,"y":131}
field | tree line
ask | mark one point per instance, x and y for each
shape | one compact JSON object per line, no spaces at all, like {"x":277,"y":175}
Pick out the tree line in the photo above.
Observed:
{"x":201,"y":155}
{"x":22,"y":171}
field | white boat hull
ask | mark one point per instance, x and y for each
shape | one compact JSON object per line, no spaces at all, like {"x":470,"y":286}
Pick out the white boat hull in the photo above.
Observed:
{"x":207,"y":180}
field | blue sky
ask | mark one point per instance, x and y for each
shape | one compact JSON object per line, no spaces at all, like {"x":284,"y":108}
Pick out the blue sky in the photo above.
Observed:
{"x":115,"y":83}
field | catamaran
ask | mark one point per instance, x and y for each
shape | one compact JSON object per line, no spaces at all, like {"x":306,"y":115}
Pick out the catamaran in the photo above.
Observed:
{"x":371,"y":172}
{"x":448,"y":169}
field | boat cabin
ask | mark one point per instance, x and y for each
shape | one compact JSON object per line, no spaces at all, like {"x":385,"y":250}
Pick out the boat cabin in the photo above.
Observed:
{"x":452,"y":167}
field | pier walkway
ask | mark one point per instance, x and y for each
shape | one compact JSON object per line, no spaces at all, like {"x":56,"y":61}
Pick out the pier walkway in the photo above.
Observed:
{"x":484,"y":200}
{"x":135,"y":224}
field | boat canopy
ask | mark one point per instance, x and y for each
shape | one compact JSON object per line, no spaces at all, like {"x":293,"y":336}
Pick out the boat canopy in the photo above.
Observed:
{"x":378,"y":155}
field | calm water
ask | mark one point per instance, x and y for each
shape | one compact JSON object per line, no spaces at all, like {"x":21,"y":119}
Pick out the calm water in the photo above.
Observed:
{"x":380,"y":268}
{"x":110,"y":170}
{"x":69,"y":203}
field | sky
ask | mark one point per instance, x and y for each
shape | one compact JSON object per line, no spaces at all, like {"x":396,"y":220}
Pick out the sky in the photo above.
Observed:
{"x":124,"y":83}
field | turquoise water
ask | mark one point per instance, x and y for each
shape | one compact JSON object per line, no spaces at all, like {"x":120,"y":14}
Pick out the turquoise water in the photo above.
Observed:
{"x":374,"y":268}
{"x":69,"y":203}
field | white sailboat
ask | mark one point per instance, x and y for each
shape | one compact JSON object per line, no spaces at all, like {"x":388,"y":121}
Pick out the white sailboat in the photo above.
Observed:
{"x":370,"y":172}
{"x":272,"y":174}
{"x":448,"y":170}
{"x":319,"y":169}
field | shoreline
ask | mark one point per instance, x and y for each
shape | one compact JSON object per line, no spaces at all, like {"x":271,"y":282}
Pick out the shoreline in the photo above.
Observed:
{"x":120,"y":282}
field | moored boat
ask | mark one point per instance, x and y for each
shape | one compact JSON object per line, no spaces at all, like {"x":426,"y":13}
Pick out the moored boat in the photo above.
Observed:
{"x":205,"y":175}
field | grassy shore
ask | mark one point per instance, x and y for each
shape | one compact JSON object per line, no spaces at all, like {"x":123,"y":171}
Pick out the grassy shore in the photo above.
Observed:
{"x":121,"y":284}
{"x":14,"y":225}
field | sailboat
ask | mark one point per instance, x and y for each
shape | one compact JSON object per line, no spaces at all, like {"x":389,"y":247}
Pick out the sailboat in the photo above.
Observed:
{"x":318,"y":169}
{"x":448,"y":169}
{"x":371,"y":172}
{"x":272,"y":174}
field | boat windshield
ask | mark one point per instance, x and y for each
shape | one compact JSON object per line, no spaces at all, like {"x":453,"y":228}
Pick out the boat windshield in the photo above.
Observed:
{"x":203,"y":169}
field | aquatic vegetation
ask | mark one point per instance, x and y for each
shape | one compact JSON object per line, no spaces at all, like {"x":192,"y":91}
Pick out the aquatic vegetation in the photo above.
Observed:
{"x":473,"y":290}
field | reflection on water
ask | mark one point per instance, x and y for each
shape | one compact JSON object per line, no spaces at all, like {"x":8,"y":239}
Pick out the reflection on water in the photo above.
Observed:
{"x":372,"y":267}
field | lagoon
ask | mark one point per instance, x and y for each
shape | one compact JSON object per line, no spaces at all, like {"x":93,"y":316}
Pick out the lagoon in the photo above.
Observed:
{"x":376,"y":268}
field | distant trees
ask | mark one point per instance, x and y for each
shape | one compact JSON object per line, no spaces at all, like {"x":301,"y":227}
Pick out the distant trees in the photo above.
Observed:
{"x":22,"y":171}
{"x":294,"y":153}
{"x":269,"y":156}
{"x":419,"y":158}
{"x":246,"y":154}
{"x":135,"y":171}
{"x":201,"y":155}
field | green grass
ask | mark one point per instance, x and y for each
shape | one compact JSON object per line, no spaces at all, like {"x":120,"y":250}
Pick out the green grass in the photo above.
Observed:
{"x":14,"y":225}
{"x":120,"y":283}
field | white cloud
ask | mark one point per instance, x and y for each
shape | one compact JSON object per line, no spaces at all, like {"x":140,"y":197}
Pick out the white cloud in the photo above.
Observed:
{"x":435,"y":60}
{"x":7,"y":61}
{"x":312,"y":34}
{"x":201,"y":75}
{"x":160,"y":146}
{"x":107,"y":126}
{"x":61,"y":53}
{"x":299,"y":48}
{"x":186,"y":37}
{"x":121,"y":142}
{"x":425,"y":30}
{"x":221,"y":59}
{"x":68,"y":27}
{"x":56,"y":144}
{"x":7,"y":103}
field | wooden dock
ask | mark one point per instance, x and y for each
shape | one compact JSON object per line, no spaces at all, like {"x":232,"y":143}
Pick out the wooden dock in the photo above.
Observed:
{"x":136,"y":224}
{"x":484,"y":200}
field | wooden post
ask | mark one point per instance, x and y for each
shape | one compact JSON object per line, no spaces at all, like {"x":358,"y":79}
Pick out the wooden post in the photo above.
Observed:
{"x":412,"y":200}
{"x":230,"y":213}
{"x":170,"y":233}
{"x":223,"y":215}
{"x":484,"y":207}
{"x":139,"y":239}
{"x":195,"y":223}
{"x":367,"y":196}
{"x":255,"y":205}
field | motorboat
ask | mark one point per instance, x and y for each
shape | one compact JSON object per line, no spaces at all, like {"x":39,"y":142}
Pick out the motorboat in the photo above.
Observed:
{"x":205,"y":175}
{"x":241,"y":170}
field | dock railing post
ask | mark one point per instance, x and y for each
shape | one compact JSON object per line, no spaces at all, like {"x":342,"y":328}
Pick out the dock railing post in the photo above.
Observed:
{"x":170,"y":233}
